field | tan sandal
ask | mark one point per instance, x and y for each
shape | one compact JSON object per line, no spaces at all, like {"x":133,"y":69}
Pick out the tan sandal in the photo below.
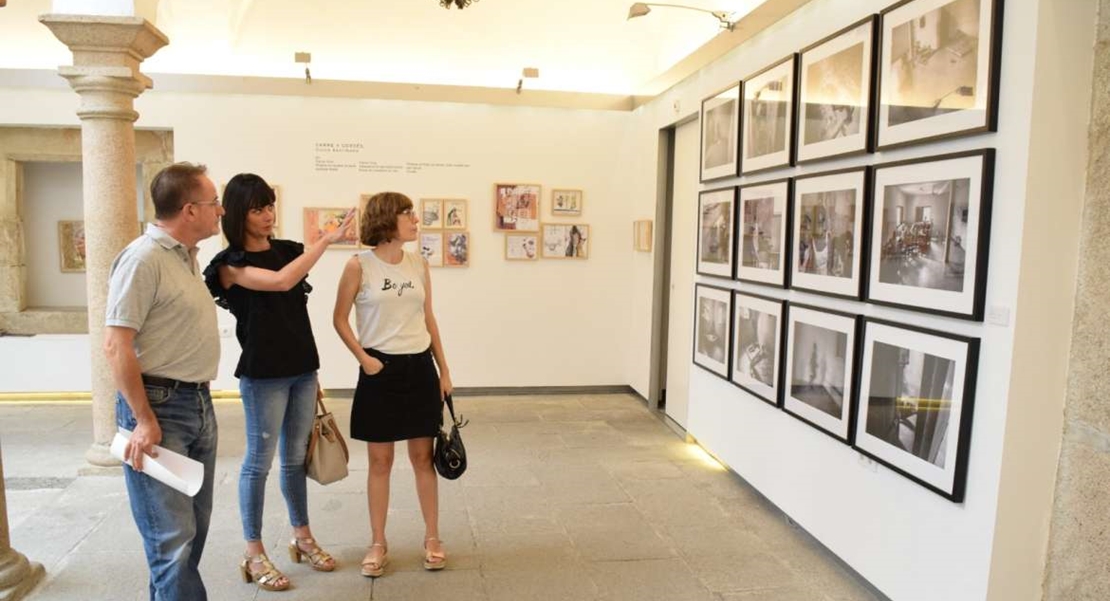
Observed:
{"x":317,"y":558}
{"x":372,"y":568}
{"x":434,"y":560}
{"x":264,"y":578}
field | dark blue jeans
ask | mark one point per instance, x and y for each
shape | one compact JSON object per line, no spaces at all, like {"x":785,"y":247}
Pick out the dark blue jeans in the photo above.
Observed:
{"x":173,"y":525}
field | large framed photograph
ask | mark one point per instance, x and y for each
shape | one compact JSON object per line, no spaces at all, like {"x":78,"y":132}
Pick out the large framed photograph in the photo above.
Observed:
{"x":715,"y":225}
{"x":821,"y":368}
{"x":565,"y":241}
{"x":566,"y":202}
{"x":836,"y":83}
{"x":431,"y":248}
{"x":767,"y":124}
{"x":762,"y":243}
{"x":71,"y":246}
{"x":757,"y":345}
{"x":712,"y":316}
{"x":456,"y":249}
{"x":720,"y":127}
{"x":522,"y":247}
{"x":454,"y":214}
{"x":916,"y":394}
{"x":321,"y":221}
{"x":931,"y":234}
{"x":827,"y":233}
{"x":938,"y":70}
{"x":516,"y":207}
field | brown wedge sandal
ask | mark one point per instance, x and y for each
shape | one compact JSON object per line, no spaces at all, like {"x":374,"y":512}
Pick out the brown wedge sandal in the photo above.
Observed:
{"x":372,"y":568}
{"x":434,"y":560}
{"x":266,"y":578}
{"x":317,"y":558}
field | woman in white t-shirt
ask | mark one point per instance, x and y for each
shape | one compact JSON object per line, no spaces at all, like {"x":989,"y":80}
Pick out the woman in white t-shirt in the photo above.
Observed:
{"x":400,"y":391}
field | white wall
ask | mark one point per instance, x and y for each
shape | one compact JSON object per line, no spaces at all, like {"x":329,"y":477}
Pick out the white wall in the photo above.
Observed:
{"x":51,"y":193}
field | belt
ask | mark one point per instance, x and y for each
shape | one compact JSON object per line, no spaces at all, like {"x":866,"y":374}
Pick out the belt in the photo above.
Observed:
{"x":171,"y":383}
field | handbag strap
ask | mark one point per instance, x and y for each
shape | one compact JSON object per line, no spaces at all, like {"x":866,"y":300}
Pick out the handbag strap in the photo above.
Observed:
{"x":321,"y":409}
{"x":451,"y":407}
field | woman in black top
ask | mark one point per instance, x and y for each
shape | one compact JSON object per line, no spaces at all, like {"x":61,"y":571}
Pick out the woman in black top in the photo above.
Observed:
{"x":261,"y":280}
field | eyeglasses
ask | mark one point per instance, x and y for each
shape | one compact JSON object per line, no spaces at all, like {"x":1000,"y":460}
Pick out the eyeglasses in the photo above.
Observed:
{"x":408,"y":213}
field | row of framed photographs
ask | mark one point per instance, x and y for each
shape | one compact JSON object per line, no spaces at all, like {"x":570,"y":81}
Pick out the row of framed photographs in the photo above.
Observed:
{"x":912,"y":234}
{"x":921,"y":70}
{"x":899,"y":394}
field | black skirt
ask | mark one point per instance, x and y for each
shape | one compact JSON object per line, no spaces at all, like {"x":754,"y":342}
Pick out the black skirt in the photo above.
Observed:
{"x":400,"y":402}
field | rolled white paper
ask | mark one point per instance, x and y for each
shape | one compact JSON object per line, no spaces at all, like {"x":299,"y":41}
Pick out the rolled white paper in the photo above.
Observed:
{"x":172,"y":469}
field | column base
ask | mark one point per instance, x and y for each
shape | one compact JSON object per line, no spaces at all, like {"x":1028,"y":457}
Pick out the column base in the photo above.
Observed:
{"x":99,"y":455}
{"x":17,"y":575}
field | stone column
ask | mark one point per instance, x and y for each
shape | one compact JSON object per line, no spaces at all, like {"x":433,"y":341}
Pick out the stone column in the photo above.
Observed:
{"x":17,"y":575}
{"x":105,"y":73}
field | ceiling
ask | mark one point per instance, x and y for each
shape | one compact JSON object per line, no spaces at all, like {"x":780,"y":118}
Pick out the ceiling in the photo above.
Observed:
{"x":578,"y":45}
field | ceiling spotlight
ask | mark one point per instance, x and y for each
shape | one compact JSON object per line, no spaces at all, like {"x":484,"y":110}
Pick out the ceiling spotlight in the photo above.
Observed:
{"x":459,"y":3}
{"x":304,"y":58}
{"x":526,"y":73}
{"x":639,"y":9}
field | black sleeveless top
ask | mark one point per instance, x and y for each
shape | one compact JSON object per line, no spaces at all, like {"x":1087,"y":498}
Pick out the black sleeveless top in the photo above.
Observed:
{"x":272,"y":327}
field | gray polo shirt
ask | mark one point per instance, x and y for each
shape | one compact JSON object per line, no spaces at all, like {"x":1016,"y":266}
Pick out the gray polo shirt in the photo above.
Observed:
{"x":155,"y":288}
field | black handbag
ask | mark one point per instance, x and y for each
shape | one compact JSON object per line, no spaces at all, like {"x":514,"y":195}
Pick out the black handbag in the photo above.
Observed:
{"x":449,"y":456}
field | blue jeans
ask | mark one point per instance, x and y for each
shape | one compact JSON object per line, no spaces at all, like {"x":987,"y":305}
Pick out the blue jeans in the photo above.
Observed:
{"x":173,"y":525}
{"x":273,"y":407}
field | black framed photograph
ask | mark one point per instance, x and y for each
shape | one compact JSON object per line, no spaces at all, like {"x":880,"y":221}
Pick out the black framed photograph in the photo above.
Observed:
{"x":767,"y":122}
{"x":930,"y":234}
{"x":938,"y":70}
{"x":762,"y":241}
{"x":821,"y":368}
{"x":757,"y":345}
{"x":715,"y":227}
{"x":827,"y":232}
{"x":720,"y":131}
{"x":712,"y":317}
{"x":836,"y":83}
{"x":916,"y":395}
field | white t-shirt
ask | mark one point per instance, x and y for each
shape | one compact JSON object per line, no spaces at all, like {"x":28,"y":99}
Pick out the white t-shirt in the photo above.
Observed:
{"x":389,"y":306}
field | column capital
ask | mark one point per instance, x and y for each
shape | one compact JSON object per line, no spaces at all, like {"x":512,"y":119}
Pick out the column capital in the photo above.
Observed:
{"x":101,"y":41}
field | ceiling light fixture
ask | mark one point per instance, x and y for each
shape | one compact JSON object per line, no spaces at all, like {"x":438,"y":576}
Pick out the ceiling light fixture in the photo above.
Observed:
{"x":526,"y":73}
{"x":304,"y":58}
{"x":639,"y":9}
{"x":459,"y":3}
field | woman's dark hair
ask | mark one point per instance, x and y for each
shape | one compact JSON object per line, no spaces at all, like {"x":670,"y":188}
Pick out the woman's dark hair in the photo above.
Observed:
{"x":379,"y":217}
{"x":243,"y":193}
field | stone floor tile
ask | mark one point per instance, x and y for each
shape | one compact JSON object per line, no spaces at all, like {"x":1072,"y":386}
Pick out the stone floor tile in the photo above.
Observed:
{"x":649,"y":580}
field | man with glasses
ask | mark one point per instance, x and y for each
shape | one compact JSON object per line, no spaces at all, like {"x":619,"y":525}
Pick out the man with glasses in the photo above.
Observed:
{"x":163,"y":346}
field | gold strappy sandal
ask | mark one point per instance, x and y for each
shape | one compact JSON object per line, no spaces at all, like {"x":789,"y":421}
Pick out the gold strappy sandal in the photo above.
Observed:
{"x":317,"y":558}
{"x":264,"y":578}
{"x":372,"y":568}
{"x":434,"y":561}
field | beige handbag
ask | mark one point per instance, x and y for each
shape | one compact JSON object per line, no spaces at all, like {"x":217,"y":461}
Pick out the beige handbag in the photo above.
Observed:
{"x":327,"y":457}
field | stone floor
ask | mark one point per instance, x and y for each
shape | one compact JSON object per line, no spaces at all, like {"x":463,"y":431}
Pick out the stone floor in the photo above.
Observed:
{"x":566,"y":498}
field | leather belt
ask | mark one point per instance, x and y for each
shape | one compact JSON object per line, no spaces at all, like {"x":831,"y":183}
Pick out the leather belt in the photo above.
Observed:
{"x":171,"y":383}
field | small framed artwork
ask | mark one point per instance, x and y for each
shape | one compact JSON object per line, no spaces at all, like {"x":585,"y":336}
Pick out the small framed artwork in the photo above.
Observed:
{"x":71,"y":246}
{"x":757,"y":345}
{"x":431,"y":248}
{"x":565,"y":241}
{"x":521,"y":247}
{"x":320,"y":221}
{"x":835,"y":87}
{"x":930,"y":234}
{"x":431,"y":213}
{"x":938,"y":70}
{"x":456,"y":249}
{"x":716,"y":213}
{"x":641,"y":235}
{"x":712,"y":317}
{"x":454,"y":214}
{"x":762,"y":245}
{"x":821,"y":368}
{"x":566,"y":202}
{"x":767,"y":124}
{"x":720,"y":129}
{"x":827,"y":233}
{"x":516,"y":207}
{"x":916,"y":395}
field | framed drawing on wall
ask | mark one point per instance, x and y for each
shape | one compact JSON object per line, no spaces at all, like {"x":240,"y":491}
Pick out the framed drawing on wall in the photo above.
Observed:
{"x":716,"y":213}
{"x":767,"y":121}
{"x":938,"y":70}
{"x":454,"y":214}
{"x":930,"y":234}
{"x":71,"y":246}
{"x":566,"y":202}
{"x":821,"y":368}
{"x":431,"y":213}
{"x":431,"y":248}
{"x":762,"y":244}
{"x":712,"y":317}
{"x":827,"y":233}
{"x":319,"y":221}
{"x":757,"y":345}
{"x":835,"y":87}
{"x":641,"y":235}
{"x":521,"y":247}
{"x":916,"y":394}
{"x":456,"y":249}
{"x":516,"y":207}
{"x":720,"y":130}
{"x":565,"y":241}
